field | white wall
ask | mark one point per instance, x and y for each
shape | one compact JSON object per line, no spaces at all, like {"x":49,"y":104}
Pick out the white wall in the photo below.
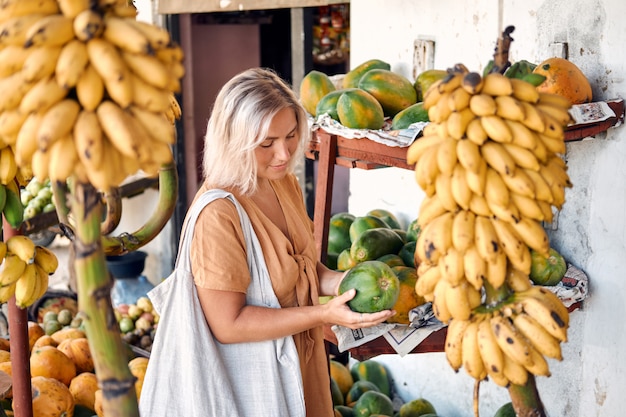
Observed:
{"x":592,"y":225}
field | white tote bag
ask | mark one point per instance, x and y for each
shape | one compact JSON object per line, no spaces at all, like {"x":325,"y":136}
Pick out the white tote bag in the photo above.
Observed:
{"x":192,"y":374}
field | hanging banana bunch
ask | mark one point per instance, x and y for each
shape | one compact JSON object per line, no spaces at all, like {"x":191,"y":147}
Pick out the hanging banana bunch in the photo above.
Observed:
{"x":86,"y":90}
{"x":490,"y":165}
{"x":25,"y":270}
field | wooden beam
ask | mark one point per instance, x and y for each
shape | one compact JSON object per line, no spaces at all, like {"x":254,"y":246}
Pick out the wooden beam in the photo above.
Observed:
{"x":206,"y":6}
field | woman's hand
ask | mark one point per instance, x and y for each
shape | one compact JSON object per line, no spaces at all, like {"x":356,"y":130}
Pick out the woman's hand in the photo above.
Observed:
{"x":338,"y":312}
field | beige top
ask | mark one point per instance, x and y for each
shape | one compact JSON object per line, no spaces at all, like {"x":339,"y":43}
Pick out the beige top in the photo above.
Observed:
{"x":218,"y":262}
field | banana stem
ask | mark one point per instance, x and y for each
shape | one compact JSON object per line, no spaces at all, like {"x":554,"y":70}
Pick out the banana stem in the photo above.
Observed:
{"x":94,"y":297}
{"x":113,"y":201}
{"x":496,"y":296}
{"x":501,"y":55}
{"x":168,"y":195}
{"x":525,"y":399}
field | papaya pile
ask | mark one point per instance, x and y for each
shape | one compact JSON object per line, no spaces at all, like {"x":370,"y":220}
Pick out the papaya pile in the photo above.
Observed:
{"x":371,"y":93}
{"x":365,"y":389}
{"x":380,"y":256}
{"x":367,"y":95}
{"x":63,"y":376}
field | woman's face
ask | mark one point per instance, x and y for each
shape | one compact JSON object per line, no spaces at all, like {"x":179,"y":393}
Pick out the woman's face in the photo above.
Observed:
{"x":274,"y":153}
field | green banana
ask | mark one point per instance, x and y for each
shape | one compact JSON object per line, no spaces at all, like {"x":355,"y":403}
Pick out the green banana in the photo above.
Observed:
{"x":3,"y":196}
{"x":13,"y":209}
{"x":534,"y":79}
{"x":520,"y":69}
{"x":488,"y":67}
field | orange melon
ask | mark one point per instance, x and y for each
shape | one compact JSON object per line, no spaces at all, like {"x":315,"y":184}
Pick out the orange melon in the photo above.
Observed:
{"x":564,"y":78}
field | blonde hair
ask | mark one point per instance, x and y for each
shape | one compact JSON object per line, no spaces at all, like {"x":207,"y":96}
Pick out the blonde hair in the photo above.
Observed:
{"x":239,"y":122}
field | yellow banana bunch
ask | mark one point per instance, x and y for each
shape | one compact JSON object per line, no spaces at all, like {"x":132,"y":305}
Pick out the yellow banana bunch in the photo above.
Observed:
{"x":23,"y":247}
{"x":46,"y":259}
{"x":30,"y":286}
{"x":25,"y":270}
{"x":61,"y":58}
{"x":490,"y":165}
{"x":509,"y":343}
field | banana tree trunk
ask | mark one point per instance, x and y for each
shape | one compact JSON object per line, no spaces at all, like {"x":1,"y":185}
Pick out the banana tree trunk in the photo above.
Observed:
{"x":20,"y":359}
{"x":94,"y":285}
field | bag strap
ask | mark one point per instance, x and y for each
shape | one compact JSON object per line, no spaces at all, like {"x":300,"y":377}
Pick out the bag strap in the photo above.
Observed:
{"x":183,"y":259}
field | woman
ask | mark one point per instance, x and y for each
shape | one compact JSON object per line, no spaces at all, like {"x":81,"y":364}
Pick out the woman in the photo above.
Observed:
{"x":254,"y":140}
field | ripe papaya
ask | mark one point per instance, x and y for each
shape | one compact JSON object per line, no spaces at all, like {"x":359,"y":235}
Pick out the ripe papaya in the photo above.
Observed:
{"x":412,"y":114}
{"x":563,"y":77}
{"x":341,"y":374}
{"x":358,"y":109}
{"x":425,"y":79}
{"x":377,"y":287}
{"x":374,"y":243}
{"x":373,"y":371}
{"x":313,"y":87}
{"x":408,"y":298}
{"x":352,"y":78}
{"x":328,"y":103}
{"x":393,"y":91}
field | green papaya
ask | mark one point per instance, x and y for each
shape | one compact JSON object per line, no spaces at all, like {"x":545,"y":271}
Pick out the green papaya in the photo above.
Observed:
{"x":393,"y":91}
{"x":387,"y":216}
{"x":407,"y":253}
{"x":412,"y":114}
{"x":425,"y":79}
{"x":392,"y":260}
{"x":345,"y":261}
{"x":358,"y":109}
{"x":377,"y":287}
{"x":413,"y":231}
{"x":339,"y":232}
{"x":374,"y":243}
{"x":352,"y":78}
{"x":363,"y":223}
{"x":314,"y":86}
{"x":328,"y":103}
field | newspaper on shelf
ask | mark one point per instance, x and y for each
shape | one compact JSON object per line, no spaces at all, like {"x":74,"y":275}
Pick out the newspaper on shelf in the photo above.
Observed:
{"x":403,"y":339}
{"x":594,"y":112}
{"x":385,"y":136}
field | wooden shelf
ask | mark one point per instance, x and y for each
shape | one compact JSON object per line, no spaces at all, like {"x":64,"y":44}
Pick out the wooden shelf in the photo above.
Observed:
{"x":330,"y":150}
{"x":47,"y":220}
{"x":581,"y":131}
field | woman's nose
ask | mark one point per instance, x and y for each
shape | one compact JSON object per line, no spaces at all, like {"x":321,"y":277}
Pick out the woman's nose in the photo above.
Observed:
{"x":282,"y":150}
